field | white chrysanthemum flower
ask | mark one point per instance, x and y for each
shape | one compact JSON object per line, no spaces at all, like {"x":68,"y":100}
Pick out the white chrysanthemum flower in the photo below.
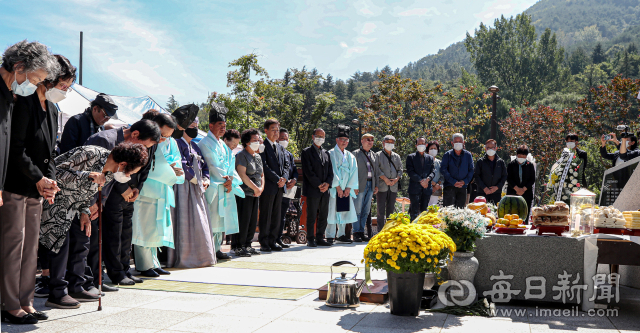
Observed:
{"x":570,"y":185}
{"x":574,"y":181}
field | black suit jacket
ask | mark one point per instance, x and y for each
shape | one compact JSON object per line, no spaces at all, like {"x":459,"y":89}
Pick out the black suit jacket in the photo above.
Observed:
{"x":77,"y":130}
{"x":419,"y":168}
{"x":513,"y":177}
{"x":6,"y":109}
{"x":293,"y":170}
{"x":33,"y":143}
{"x":487,"y":177}
{"x":275,"y":165}
{"x":315,"y":171}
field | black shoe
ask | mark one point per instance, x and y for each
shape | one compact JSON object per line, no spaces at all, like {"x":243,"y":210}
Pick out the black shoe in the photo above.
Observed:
{"x":42,"y":288}
{"x":40,"y":315}
{"x":251,"y":251}
{"x":240,"y":252}
{"x":65,"y":302}
{"x":275,"y":247}
{"x":329,"y":240}
{"x":161,"y":271}
{"x":344,"y":239}
{"x":107,"y":288}
{"x":312,"y":243}
{"x":126,"y":282}
{"x":265,"y":249}
{"x":84,"y":296}
{"x":94,"y":291}
{"x":135,"y":279}
{"x":365,"y":238}
{"x":150,"y":273}
{"x":283,"y":245}
{"x":27,"y":319}
{"x":322,"y":242}
{"x":357,"y":237}
{"x":222,"y":256}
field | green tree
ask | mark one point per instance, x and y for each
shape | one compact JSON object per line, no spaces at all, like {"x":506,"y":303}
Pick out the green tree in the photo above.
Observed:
{"x":598,"y":55}
{"x":351,"y":88}
{"x":510,"y":56}
{"x":578,"y":61}
{"x":172,"y":104}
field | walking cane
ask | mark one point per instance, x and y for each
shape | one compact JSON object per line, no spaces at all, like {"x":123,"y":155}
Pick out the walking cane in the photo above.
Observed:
{"x":100,"y":248}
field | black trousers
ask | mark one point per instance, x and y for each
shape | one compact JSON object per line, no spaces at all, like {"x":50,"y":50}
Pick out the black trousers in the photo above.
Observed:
{"x":454,"y":196}
{"x":493,"y":197}
{"x":93,"y":258}
{"x":283,"y":216}
{"x":419,"y":203}
{"x":247,"y":221}
{"x":317,"y":208}
{"x":116,"y":236}
{"x":67,"y":267}
{"x":270,"y":207}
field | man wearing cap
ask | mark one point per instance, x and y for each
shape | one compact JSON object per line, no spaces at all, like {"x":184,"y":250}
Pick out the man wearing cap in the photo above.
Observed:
{"x":345,"y":179}
{"x":318,"y":176}
{"x":225,"y":181}
{"x":151,"y":223}
{"x":389,"y":171}
{"x":368,"y":185}
{"x":81,"y":126}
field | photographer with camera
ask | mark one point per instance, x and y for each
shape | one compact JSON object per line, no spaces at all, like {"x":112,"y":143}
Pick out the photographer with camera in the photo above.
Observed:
{"x":628,"y":146}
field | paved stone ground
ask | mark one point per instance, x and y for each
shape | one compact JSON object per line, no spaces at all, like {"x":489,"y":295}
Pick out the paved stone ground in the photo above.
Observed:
{"x":155,"y":311}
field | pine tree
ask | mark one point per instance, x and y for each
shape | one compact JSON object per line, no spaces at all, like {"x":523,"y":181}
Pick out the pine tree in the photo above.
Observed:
{"x":598,"y":54}
{"x":577,"y":61}
{"x":172,"y":104}
{"x":351,"y":88}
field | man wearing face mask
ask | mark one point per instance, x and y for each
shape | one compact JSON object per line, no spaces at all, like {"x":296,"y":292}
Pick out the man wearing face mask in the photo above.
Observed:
{"x":490,"y":173}
{"x":420,"y":168}
{"x":83,"y":125}
{"x":389,"y":171}
{"x":572,"y":143}
{"x":457,"y":169}
{"x":521,"y":176}
{"x":342,"y":211}
{"x":368,"y":185}
{"x":283,"y":140}
{"x":317,"y":178}
{"x":151,"y":222}
{"x":118,"y":198}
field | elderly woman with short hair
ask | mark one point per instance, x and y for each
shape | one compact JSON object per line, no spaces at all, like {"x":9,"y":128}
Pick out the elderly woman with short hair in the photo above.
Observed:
{"x":24,"y":66}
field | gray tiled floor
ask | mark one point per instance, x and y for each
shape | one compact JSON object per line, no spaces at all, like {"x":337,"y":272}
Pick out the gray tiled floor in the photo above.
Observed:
{"x":156,"y":311}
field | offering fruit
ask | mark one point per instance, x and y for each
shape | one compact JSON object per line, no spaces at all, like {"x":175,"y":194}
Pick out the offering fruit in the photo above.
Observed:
{"x":513,"y":204}
{"x":480,"y":199}
{"x":479,"y":207}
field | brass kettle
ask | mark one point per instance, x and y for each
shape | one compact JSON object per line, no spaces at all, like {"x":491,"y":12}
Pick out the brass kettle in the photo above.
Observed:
{"x":344,"y":292}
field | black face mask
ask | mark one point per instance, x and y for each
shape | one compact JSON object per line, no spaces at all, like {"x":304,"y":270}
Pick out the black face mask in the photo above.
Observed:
{"x":192,"y":132}
{"x":177,"y":134}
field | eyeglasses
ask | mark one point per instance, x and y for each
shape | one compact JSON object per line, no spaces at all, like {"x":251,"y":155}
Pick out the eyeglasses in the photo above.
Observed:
{"x":344,"y":139}
{"x":369,"y":139}
{"x":104,"y":114}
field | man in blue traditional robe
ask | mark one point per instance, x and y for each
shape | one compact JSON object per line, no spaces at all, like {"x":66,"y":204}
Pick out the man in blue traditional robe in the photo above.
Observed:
{"x":345,"y":181}
{"x":225,"y":181}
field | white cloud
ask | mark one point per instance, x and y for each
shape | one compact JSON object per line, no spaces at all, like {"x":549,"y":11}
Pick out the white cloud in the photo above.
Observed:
{"x":420,"y":12}
{"x":343,"y":44}
{"x":368,"y":28}
{"x":363,"y":40}
{"x":367,"y":8}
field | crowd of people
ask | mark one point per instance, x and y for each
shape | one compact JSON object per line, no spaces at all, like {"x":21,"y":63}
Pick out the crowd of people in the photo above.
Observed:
{"x":159,"y":188}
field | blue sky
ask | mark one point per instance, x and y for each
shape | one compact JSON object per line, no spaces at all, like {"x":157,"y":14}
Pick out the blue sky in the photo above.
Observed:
{"x":183,"y":48}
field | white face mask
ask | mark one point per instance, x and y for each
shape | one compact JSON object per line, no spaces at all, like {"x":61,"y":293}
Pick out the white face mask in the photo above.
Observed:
{"x":433,"y":152}
{"x":422,"y":148}
{"x":457,"y":146}
{"x":628,"y":144}
{"x":491,"y":152}
{"x":389,"y":146}
{"x":521,"y":160}
{"x":55,"y":95}
{"x":261,"y":148}
{"x":121,"y":177}
{"x":24,"y":89}
{"x":571,"y":145}
{"x":318,"y":141}
{"x":284,"y":144}
{"x":254,"y":146}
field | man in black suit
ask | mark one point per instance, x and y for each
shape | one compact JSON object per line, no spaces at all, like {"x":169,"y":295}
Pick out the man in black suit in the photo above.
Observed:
{"x":420,"y":168}
{"x":317,"y":177}
{"x":283,"y":140}
{"x":81,"y":126}
{"x":276,"y":174}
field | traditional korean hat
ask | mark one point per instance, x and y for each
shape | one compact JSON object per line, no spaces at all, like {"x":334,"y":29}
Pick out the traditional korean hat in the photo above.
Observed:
{"x":343,"y":131}
{"x":218,"y":113}
{"x":186,"y":114}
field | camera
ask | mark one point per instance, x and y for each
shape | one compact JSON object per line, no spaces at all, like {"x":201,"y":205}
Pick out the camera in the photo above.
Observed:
{"x":607,"y":137}
{"x":625,"y":131}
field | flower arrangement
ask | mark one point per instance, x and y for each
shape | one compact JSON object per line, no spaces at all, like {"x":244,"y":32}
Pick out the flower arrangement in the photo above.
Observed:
{"x":463,"y":225}
{"x":571,"y":183}
{"x":408,"y":247}
{"x":429,"y":216}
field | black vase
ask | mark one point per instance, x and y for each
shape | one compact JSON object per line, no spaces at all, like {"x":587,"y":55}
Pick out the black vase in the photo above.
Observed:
{"x":405,"y":293}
